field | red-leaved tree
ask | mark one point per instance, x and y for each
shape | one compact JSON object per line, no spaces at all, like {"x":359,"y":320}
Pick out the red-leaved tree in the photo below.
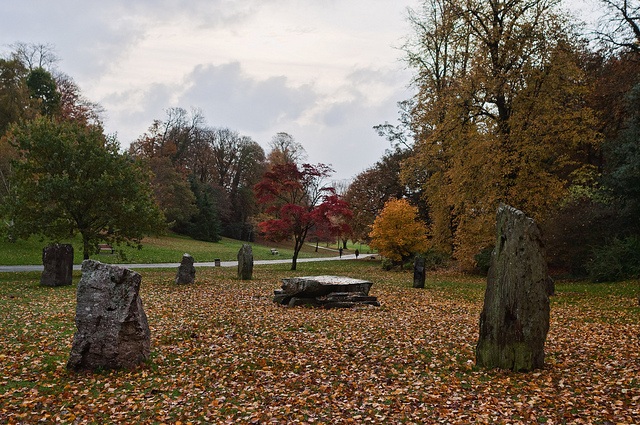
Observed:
{"x":298,"y":201}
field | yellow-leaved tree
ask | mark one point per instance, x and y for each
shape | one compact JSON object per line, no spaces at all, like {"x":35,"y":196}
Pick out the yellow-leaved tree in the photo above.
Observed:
{"x":397,"y":233}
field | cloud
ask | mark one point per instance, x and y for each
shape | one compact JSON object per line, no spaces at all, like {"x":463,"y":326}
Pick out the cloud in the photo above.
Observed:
{"x":229,"y":97}
{"x":322,"y":71}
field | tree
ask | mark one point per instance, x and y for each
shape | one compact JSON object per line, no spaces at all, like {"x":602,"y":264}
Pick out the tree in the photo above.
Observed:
{"x":70,"y":179}
{"x":372,"y":188}
{"x":620,"y":24}
{"x":285,"y":150}
{"x":235,"y":163}
{"x":299,"y":201}
{"x":173,"y":194}
{"x":74,"y":106}
{"x":622,"y":175}
{"x":35,"y":56}
{"x":172,"y":138}
{"x":43,"y":87}
{"x":204,"y":224}
{"x":15,"y":101}
{"x":397,"y":233}
{"x":500,"y":115}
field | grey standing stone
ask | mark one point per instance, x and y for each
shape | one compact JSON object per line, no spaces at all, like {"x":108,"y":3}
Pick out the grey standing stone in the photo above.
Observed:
{"x":58,"y":265}
{"x":418,"y":272}
{"x":186,"y":273}
{"x":113,"y":331}
{"x":515,"y":316}
{"x":245,"y":262}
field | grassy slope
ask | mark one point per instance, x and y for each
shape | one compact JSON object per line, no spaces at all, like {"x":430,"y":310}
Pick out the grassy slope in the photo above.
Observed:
{"x":165,"y":249}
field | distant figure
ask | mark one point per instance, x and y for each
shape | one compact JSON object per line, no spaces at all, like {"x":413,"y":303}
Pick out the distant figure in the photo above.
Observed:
{"x":340,"y":250}
{"x":357,"y":253}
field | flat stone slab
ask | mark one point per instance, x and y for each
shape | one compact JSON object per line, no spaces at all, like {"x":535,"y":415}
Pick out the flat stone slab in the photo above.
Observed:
{"x":320,"y":286}
{"x":324,"y":291}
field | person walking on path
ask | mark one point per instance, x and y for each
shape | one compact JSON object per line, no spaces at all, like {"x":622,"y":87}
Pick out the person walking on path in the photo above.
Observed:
{"x":357,"y":253}
{"x":340,"y":250}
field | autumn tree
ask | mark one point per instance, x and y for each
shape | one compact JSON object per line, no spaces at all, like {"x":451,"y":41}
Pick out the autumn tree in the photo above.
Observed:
{"x":70,"y":178}
{"x":298,"y":200}
{"x":228,"y":163}
{"x":285,"y":150}
{"x":172,"y":192}
{"x":74,"y":106}
{"x":170,"y":138}
{"x":500,"y":115}
{"x":397,"y":232}
{"x":372,"y":188}
{"x":236,"y":164}
{"x":15,"y":101}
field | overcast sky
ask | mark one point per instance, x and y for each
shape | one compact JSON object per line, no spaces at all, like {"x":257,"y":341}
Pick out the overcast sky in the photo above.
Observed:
{"x":324,"y":71}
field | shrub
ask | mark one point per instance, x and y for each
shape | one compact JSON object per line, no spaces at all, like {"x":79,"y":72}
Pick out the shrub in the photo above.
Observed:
{"x":387,"y":264}
{"x":616,"y":261}
{"x":483,"y":260}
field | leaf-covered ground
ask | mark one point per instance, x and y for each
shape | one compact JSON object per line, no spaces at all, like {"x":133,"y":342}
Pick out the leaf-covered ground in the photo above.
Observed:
{"x":222,"y":352}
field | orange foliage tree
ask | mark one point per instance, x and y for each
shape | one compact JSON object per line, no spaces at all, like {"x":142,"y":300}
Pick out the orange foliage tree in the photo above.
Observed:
{"x":500,"y":116}
{"x":396,"y":233}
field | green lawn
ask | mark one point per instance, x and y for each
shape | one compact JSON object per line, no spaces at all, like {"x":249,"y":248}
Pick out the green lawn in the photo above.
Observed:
{"x":165,"y":249}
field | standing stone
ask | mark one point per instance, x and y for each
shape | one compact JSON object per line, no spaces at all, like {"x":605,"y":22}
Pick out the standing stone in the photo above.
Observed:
{"x":186,"y":271}
{"x":245,"y":262}
{"x":113,"y":331}
{"x":515,"y":316}
{"x":418,"y":272}
{"x":58,"y":265}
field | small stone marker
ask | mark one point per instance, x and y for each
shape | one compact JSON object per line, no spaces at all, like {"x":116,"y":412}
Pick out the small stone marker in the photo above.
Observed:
{"x":324,"y":291}
{"x":58,"y":265}
{"x":245,"y":262}
{"x":186,"y":273}
{"x":515,"y":316}
{"x":113,"y":331}
{"x":419,"y":276}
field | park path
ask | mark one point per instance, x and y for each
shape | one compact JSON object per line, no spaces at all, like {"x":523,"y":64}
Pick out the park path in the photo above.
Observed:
{"x":35,"y":268}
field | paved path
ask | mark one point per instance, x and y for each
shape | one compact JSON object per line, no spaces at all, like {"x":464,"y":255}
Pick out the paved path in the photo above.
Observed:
{"x":40,"y":268}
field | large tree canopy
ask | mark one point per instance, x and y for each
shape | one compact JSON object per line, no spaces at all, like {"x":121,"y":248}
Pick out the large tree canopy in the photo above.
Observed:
{"x":70,"y":179}
{"x":500,"y":114}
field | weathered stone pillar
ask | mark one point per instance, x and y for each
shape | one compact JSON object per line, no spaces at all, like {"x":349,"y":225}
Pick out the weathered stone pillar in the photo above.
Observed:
{"x":58,"y":265}
{"x":113,"y":331}
{"x":515,"y":316}
{"x":419,"y":274}
{"x":245,"y":262}
{"x":186,"y":273}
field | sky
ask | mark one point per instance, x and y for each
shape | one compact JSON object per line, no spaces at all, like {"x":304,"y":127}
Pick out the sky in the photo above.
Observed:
{"x":324,"y":71}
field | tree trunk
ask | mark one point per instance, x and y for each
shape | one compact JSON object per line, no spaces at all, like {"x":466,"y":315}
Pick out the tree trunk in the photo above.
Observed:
{"x":86,"y":248}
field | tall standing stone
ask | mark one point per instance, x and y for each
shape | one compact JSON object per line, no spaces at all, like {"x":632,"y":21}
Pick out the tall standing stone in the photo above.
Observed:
{"x":419,"y":276}
{"x":58,"y":265}
{"x":186,"y":273}
{"x":113,"y":331}
{"x":515,"y":316}
{"x":245,"y":262}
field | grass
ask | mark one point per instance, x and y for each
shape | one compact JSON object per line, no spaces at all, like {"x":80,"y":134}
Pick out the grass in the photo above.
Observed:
{"x":165,"y":249}
{"x":223,"y":352}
